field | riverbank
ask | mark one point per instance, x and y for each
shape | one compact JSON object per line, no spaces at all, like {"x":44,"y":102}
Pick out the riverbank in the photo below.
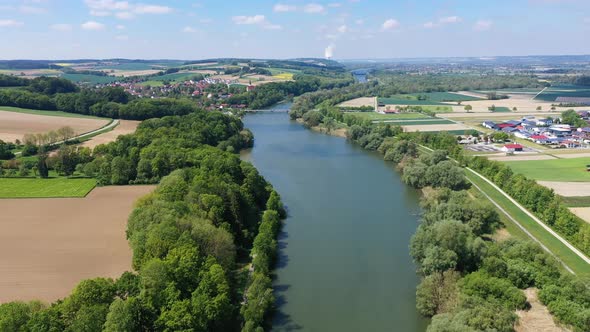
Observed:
{"x":344,"y":261}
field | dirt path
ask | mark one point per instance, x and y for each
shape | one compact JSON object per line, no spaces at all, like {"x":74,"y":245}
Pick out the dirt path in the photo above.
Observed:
{"x":582,"y":212}
{"x":537,"y":318}
{"x":47,"y":246}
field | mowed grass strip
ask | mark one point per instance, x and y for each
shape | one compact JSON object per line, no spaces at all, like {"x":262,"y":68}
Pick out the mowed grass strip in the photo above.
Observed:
{"x":567,"y":170}
{"x":573,"y":261}
{"x":45,"y":188}
{"x":47,"y":113}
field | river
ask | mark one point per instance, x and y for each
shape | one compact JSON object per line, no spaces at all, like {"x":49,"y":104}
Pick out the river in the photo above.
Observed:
{"x":344,"y":260}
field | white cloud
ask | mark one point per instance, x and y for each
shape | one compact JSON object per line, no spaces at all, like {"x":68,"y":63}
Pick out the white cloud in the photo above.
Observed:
{"x":443,"y":21}
{"x":329,"y":51}
{"x":100,"y":13}
{"x":342,"y":29}
{"x":10,"y":23}
{"x":313,"y":8}
{"x":256,"y":20}
{"x":122,"y":37}
{"x":450,"y":19}
{"x":152,"y":9}
{"x":120,"y":27}
{"x":188,"y":29}
{"x":92,"y":25}
{"x":61,"y":27}
{"x":587,"y":20}
{"x":359,"y":22}
{"x":124,"y":9}
{"x":389,"y":24}
{"x":281,"y":8}
{"x":125,"y":15}
{"x":335,"y":5}
{"x":483,"y":25}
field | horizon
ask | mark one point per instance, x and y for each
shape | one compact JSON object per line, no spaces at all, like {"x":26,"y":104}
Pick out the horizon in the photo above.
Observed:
{"x":346,"y":30}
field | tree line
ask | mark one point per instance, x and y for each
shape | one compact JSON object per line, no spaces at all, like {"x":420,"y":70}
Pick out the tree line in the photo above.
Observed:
{"x":190,"y":238}
{"x":469,"y":283}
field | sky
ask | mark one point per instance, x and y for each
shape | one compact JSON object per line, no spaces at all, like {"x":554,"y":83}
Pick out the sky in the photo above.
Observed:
{"x":342,"y":29}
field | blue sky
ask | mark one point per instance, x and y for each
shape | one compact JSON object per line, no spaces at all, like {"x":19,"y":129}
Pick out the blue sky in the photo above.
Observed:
{"x":346,"y":29}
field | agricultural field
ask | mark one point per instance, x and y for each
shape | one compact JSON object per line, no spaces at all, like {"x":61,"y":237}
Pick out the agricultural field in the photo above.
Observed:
{"x":563,"y":90}
{"x":430,"y":127}
{"x":408,"y":101}
{"x":501,"y":109}
{"x":47,"y":113}
{"x":14,"y":125}
{"x":45,"y":258}
{"x":89,"y":79}
{"x":398,"y":116}
{"x":561,"y":170}
{"x":359,"y":102}
{"x":125,"y":127}
{"x":45,"y":188}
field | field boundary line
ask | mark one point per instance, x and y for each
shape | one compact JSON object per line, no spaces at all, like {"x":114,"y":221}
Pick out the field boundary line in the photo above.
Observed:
{"x":537,"y":95}
{"x":522,"y":227}
{"x":537,"y":220}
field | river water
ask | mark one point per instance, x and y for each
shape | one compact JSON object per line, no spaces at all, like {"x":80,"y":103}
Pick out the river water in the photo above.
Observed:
{"x":344,"y":263}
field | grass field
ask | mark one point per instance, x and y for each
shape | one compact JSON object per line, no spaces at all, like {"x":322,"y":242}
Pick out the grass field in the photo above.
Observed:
{"x":564,"y":90}
{"x":501,"y":109}
{"x":45,"y":188}
{"x":434,"y":121}
{"x":569,"y":170}
{"x":47,"y":113}
{"x":284,"y":76}
{"x":578,"y":265}
{"x":399,"y":116}
{"x":92,"y":79}
{"x":576,"y":201}
{"x":408,"y":101}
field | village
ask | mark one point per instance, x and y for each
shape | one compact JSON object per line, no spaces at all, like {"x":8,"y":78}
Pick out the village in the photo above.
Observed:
{"x":544,"y":131}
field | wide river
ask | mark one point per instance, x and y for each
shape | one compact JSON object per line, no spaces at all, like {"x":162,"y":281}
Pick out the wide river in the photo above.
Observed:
{"x":344,"y":263}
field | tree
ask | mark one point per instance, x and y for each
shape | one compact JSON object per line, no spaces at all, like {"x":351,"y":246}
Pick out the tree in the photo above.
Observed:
{"x":42,"y":163}
{"x":438,"y":293}
{"x":468,"y":108}
{"x":124,"y":315}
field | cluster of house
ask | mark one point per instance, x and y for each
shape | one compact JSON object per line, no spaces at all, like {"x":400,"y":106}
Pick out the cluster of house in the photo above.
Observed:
{"x":545,"y":131}
{"x":189,"y":87}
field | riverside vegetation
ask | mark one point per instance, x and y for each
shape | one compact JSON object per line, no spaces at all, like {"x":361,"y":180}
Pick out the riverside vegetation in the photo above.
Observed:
{"x":192,"y":238}
{"x":469,"y":281}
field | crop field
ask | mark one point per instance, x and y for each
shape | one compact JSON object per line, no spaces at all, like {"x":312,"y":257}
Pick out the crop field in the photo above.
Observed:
{"x":47,"y":246}
{"x":125,"y":127}
{"x":44,"y":188}
{"x":406,"y":101}
{"x":564,"y":90}
{"x":47,"y":113}
{"x":572,"y":169}
{"x":448,"y":97}
{"x":527,"y":91}
{"x":174,"y":77}
{"x":398,"y":116}
{"x":91,"y":79}
{"x":501,"y":109}
{"x":284,"y":76}
{"x":14,"y":125}
{"x":426,"y":122}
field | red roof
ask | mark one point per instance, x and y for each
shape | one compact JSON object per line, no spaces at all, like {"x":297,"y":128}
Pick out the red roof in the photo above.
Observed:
{"x":505,"y":125}
{"x":539,"y":137}
{"x":513,"y":146}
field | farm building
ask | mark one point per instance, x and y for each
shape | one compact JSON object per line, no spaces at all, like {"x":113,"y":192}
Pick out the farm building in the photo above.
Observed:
{"x":540,"y":139}
{"x":489,"y":124}
{"x":544,"y":122}
{"x":512,"y":147}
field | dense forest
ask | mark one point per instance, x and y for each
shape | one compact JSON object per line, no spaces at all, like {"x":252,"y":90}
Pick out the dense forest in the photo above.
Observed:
{"x":192,"y":238}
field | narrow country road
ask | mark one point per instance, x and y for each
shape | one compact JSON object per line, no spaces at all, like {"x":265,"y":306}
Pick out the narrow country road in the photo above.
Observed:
{"x":109,"y":126}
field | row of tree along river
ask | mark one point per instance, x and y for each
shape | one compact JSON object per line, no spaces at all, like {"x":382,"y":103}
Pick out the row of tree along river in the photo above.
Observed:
{"x":344,"y":260}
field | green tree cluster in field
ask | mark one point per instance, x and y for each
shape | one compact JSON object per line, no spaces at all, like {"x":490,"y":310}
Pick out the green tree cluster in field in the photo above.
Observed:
{"x":160,"y":146}
{"x":190,"y":238}
{"x":572,"y":118}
